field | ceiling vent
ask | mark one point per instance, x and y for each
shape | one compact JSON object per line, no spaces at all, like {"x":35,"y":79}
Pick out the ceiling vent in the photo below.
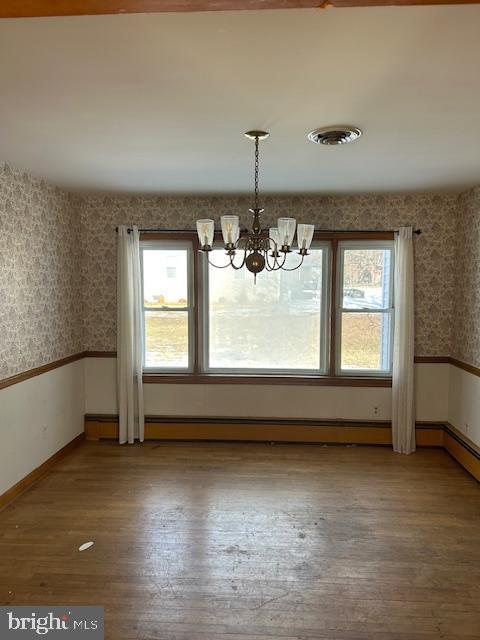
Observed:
{"x":339,"y":134}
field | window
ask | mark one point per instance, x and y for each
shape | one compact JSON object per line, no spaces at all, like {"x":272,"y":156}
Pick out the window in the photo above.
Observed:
{"x":277,"y":325}
{"x":167,"y":305}
{"x":307,"y":322}
{"x":365,"y":308}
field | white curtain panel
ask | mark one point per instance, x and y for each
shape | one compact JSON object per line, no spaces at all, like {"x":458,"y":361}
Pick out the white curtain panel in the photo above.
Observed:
{"x":403,"y":399}
{"x":129,"y":337}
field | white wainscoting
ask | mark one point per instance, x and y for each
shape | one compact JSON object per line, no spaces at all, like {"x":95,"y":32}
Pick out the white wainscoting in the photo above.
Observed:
{"x":264,"y":401}
{"x":464,"y":403}
{"x":37,"y":418}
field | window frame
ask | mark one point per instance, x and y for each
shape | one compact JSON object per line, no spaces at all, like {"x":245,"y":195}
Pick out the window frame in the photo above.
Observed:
{"x":331,"y":377}
{"x":173,"y":243}
{"x":362,"y":244}
{"x":323,"y":364}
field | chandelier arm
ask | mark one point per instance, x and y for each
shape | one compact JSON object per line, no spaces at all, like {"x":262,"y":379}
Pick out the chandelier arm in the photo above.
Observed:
{"x":275,"y":245}
{"x":269,"y":267}
{"x":219,"y":266}
{"x":232,"y":258}
{"x":240,"y":266}
{"x":278,"y":264}
{"x":274,"y":265}
{"x":275,"y":256}
{"x":293,"y":268}
{"x":264,"y":251}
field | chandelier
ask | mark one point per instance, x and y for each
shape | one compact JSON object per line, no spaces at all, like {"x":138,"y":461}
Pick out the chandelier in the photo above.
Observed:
{"x":256,"y":249}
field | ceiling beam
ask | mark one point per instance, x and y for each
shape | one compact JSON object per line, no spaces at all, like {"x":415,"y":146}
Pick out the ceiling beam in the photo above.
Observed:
{"x":44,"y":8}
{"x":393,"y":3}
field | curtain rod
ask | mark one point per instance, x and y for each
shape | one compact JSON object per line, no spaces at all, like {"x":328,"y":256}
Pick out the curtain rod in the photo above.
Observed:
{"x":159,"y":230}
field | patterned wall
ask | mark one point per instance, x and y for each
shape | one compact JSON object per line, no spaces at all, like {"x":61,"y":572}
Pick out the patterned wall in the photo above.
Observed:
{"x":40,"y":284}
{"x":466,"y":342}
{"x":435,"y":248}
{"x":58,"y":261}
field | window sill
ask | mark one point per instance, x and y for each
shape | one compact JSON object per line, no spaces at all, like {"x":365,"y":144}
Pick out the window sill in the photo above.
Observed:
{"x":319,"y":381}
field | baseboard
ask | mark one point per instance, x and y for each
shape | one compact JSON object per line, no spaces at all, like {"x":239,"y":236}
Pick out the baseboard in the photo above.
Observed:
{"x":428,"y":434}
{"x":257,"y":430}
{"x":37,"y":473}
{"x":465,"y":452}
{"x":97,"y":427}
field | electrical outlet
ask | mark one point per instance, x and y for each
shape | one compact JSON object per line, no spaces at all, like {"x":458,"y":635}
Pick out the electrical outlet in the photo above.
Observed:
{"x":375,"y":411}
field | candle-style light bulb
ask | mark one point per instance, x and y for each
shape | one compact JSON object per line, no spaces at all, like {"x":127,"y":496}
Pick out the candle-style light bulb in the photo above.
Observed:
{"x":205,"y":230}
{"x":230,"y":230}
{"x":304,"y":237}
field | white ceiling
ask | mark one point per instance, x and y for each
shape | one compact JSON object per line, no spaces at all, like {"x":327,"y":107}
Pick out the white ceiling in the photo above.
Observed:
{"x":158,"y":103}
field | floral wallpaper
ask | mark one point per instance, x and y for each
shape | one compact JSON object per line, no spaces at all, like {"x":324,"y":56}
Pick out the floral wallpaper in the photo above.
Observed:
{"x":40,"y":285}
{"x":434,"y":249}
{"x":58,"y":261}
{"x":466,"y":343}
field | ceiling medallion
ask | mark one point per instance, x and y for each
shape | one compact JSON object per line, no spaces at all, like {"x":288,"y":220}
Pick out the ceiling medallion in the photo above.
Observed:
{"x":256,"y":248}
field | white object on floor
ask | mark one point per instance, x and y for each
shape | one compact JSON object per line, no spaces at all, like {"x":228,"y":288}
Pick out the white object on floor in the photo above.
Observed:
{"x":85,"y":546}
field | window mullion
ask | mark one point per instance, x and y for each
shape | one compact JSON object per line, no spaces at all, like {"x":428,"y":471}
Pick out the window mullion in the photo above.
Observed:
{"x":381,"y":310}
{"x":334,"y":304}
{"x":167,"y":309}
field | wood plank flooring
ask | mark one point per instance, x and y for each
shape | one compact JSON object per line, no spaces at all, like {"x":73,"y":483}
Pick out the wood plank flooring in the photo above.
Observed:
{"x":228,"y":541}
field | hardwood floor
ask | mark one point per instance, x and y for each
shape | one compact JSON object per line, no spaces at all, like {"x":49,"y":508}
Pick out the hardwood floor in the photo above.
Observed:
{"x":252,"y":542}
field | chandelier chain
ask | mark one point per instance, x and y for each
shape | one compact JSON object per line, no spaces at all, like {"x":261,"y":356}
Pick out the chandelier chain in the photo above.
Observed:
{"x":256,"y":171}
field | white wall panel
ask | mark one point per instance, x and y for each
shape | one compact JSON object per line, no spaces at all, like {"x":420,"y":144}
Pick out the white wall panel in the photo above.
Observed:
{"x":265,"y":401}
{"x":464,"y":403}
{"x":37,"y":418}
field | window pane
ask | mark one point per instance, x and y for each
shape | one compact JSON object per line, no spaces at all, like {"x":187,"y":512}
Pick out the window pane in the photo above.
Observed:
{"x":273,"y":324}
{"x":166,"y":339}
{"x":366,"y":341}
{"x":366,"y":278}
{"x":166,"y":314}
{"x":165,"y":280}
